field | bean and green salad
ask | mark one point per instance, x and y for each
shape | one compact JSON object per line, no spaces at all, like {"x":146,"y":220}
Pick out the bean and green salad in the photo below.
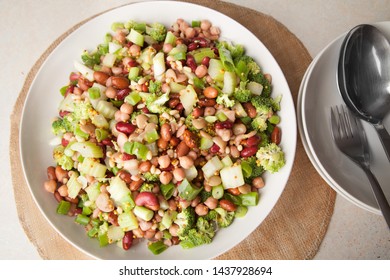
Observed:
{"x":164,"y":134}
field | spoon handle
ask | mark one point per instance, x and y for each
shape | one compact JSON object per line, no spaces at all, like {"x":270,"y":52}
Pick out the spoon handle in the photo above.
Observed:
{"x":384,"y":137}
{"x":379,"y":195}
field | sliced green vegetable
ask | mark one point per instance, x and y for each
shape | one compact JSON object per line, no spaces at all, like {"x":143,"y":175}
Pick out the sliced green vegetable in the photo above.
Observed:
{"x":63,"y":207}
{"x":157,"y":247}
{"x":188,"y":191}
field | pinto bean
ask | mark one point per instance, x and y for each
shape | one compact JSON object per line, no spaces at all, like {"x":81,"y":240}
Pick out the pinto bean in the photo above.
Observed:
{"x":61,"y":174}
{"x":250,"y":109}
{"x":190,"y":139}
{"x":258,"y":182}
{"x":276,"y":135}
{"x":227,"y":205}
{"x":206,"y":102}
{"x":125,"y":176}
{"x":119,"y":82}
{"x":166,"y":132}
{"x":100,"y":77}
{"x":201,"y":209}
{"x":51,"y":173}
{"x":135,"y":185}
{"x":210,"y":92}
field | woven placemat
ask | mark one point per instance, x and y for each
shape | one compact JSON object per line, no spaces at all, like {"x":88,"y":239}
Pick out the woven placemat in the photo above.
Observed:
{"x":295,"y":227}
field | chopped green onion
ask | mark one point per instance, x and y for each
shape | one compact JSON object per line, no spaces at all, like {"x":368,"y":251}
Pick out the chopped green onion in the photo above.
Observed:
{"x":217,"y":191}
{"x":78,"y":132}
{"x":101,"y":134}
{"x":94,"y":92}
{"x":63,"y":207}
{"x":195,"y":23}
{"x":167,"y":190}
{"x":221,"y":116}
{"x":117,"y":25}
{"x":133,"y":98}
{"x":246,"y":169}
{"x":170,"y":39}
{"x":241,"y":211}
{"x":133,"y":73}
{"x":103,"y":239}
{"x":188,"y":191}
{"x":107,"y":38}
{"x":152,"y":136}
{"x":274,"y":119}
{"x":143,"y":213}
{"x":136,"y":37}
{"x":201,"y":53}
{"x":249,"y":199}
{"x":157,"y":247}
{"x":92,"y":232}
{"x":63,"y":90}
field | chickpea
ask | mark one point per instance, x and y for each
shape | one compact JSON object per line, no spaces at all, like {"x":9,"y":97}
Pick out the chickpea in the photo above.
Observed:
{"x":50,"y":185}
{"x":209,"y":111}
{"x":186,"y":162}
{"x":145,"y":166}
{"x":126,"y":108}
{"x":179,"y":174}
{"x":165,"y":177}
{"x":205,"y":24}
{"x":201,"y":71}
{"x":210,"y":92}
{"x":173,"y":229}
{"x":258,"y":182}
{"x":111,"y":92}
{"x":201,"y":209}
{"x":167,"y":48}
{"x":164,"y":161}
{"x":135,"y":50}
{"x":211,"y":202}
{"x":239,"y":129}
{"x":63,"y":190}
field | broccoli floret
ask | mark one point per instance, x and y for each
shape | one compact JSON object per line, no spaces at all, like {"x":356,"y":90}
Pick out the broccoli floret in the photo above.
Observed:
{"x":204,"y":195}
{"x":155,"y":103}
{"x":271,"y":157}
{"x":263,"y":105}
{"x":259,"y":123}
{"x":151,"y":177}
{"x":90,"y":59}
{"x":252,"y":168}
{"x":157,"y":31}
{"x":241,"y":93}
{"x":146,"y":187}
{"x":61,"y":159}
{"x":211,"y":215}
{"x":185,"y":220}
{"x":252,"y":66}
{"x":202,"y":234}
{"x":189,"y":124}
{"x":236,"y":50}
{"x":154,"y":86}
{"x":265,"y":138}
{"x":58,"y":127}
{"x":224,"y":100}
{"x":83,"y":110}
{"x":259,"y":78}
{"x":224,"y":218}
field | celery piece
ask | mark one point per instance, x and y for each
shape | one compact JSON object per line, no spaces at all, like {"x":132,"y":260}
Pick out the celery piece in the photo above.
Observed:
{"x":82,"y":219}
{"x":74,"y":186}
{"x":92,"y":167}
{"x":86,"y":211}
{"x":117,"y":25}
{"x":87,"y":149}
{"x":168,"y":218}
{"x":255,"y":88}
{"x":246,"y":169}
{"x":63,"y":207}
{"x":239,"y":110}
{"x":67,"y":104}
{"x":176,"y":87}
{"x":114,"y":47}
{"x":137,"y":149}
{"x":157,"y":247}
{"x":211,"y":119}
{"x":158,"y":65}
{"x":179,"y":52}
{"x":206,"y":143}
{"x":167,"y":190}
{"x":143,"y":213}
{"x":95,"y":223}
{"x":232,"y":177}
{"x":242,"y":70}
{"x":241,"y":211}
{"x":84,"y":70}
{"x":133,"y":73}
{"x":229,"y":82}
{"x":120,"y":193}
{"x":107,"y":38}
{"x":128,"y":147}
{"x":217,"y":191}
{"x":133,"y":98}
{"x":103,"y":239}
{"x":191,"y":173}
{"x":127,"y":221}
{"x":170,"y":39}
{"x":201,"y":53}
{"x":212,"y":166}
{"x":226,"y":58}
{"x":152,"y":136}
{"x":109,"y":60}
{"x":94,"y":92}
{"x":233,"y":198}
{"x":199,"y":83}
{"x":63,"y":90}
{"x":249,"y":199}
{"x":100,"y":121}
{"x":114,"y":234}
{"x":188,"y":191}
{"x":106,"y":108}
{"x":188,"y":98}
{"x":78,"y":132}
{"x":274,"y":119}
{"x":136,"y":37}
{"x":195,"y":23}
{"x":101,"y":134}
{"x":216,"y":70}
{"x":93,"y":232}
{"x":221,"y":116}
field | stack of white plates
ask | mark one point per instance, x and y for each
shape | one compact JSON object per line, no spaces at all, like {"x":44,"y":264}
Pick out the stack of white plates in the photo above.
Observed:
{"x":318,"y":92}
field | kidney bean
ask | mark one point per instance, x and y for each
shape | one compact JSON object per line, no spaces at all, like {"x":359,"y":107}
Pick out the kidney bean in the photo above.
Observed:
{"x":64,"y":142}
{"x":166,"y":132}
{"x":174,"y":141}
{"x":121,"y":94}
{"x":74,"y":76}
{"x":58,"y":197}
{"x":127,"y":240}
{"x":206,"y":102}
{"x":224,"y":124}
{"x":107,"y":142}
{"x":206,"y":61}
{"x":210,"y":92}
{"x":250,"y":109}
{"x":203,"y":42}
{"x":214,"y":148}
{"x":276,"y":135}
{"x":193,"y":46}
{"x":100,"y":77}
{"x":119,"y":82}
{"x":51,"y":173}
{"x":135,"y":185}
{"x":147,"y":199}
{"x":190,"y":62}
{"x":126,"y":128}
{"x":197,"y":112}
{"x":125,"y":176}
{"x":182,"y":149}
{"x":173,"y":102}
{"x":249,"y":151}
{"x":253,"y":141}
{"x":227,"y":205}
{"x":145,"y":110}
{"x":62,"y":113}
{"x":179,"y":107}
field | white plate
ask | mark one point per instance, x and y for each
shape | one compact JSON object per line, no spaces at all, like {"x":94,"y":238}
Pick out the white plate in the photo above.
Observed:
{"x":317,"y":94}
{"x":43,"y":99}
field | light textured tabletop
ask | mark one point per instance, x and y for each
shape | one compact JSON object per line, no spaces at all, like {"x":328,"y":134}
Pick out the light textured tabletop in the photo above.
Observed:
{"x":29,"y":27}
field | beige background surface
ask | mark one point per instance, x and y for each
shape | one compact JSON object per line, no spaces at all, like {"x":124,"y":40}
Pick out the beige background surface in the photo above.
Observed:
{"x":29,"y":27}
